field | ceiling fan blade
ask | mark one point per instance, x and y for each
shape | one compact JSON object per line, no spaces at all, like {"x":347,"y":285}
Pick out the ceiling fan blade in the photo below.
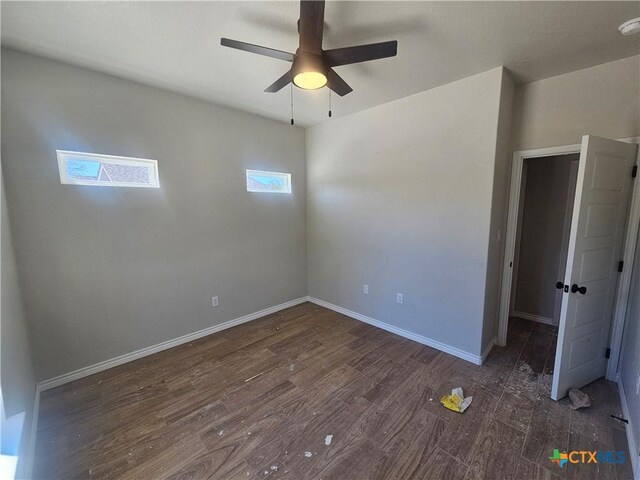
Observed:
{"x":311,"y":25}
{"x":337,"y":84}
{"x":248,"y":47}
{"x":360,"y":53}
{"x":279,"y":84}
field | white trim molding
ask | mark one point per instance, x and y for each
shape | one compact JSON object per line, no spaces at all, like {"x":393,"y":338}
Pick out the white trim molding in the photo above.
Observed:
{"x":631,"y":440}
{"x":487,"y":350}
{"x":532,"y":317}
{"x":129,"y":357}
{"x":512,"y":226}
{"x":456,"y":352}
{"x":624,"y":282}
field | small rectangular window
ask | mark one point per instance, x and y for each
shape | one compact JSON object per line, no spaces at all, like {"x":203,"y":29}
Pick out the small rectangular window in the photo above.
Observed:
{"x":77,"y":168}
{"x":268,"y":182}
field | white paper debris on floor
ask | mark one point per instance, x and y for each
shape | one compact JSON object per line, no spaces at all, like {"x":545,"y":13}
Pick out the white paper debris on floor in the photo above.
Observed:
{"x":579,"y":399}
{"x":274,"y":468}
{"x":456,"y":401}
{"x":220,"y":433}
{"x":327,"y":439}
{"x":308,"y":454}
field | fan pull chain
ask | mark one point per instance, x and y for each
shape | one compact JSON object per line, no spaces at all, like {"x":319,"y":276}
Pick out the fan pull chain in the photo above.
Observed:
{"x":292,"y":122}
{"x":329,"y":103}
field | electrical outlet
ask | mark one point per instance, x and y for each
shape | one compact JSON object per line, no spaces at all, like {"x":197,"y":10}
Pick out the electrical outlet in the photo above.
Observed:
{"x":365,"y":289}
{"x":214,"y":301}
{"x":638,"y":385}
{"x":399,"y":298}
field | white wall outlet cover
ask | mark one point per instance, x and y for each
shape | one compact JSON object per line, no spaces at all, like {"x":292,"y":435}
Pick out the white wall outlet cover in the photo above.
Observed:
{"x":400,"y":298}
{"x":365,"y":289}
{"x":214,"y":301}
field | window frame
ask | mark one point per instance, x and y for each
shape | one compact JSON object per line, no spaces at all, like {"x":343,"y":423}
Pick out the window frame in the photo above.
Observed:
{"x":286,"y":176}
{"x":62,"y":155}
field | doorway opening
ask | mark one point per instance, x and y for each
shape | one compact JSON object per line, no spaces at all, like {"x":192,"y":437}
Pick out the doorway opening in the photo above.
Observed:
{"x":544,"y":222}
{"x":545,"y":208}
{"x":565,"y":244}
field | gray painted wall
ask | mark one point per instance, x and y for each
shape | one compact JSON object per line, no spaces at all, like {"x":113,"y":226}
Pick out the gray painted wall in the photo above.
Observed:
{"x":107,"y":271}
{"x":546,"y":189}
{"x":501,"y":176}
{"x":603,"y":100}
{"x":629,"y":366}
{"x":18,"y":380}
{"x":399,"y":198}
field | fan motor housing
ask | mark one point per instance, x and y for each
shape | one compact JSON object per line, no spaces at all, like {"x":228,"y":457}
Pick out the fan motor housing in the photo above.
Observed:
{"x":308,"y":62}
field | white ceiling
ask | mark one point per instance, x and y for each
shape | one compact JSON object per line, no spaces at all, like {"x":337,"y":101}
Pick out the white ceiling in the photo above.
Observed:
{"x":176,"y":45}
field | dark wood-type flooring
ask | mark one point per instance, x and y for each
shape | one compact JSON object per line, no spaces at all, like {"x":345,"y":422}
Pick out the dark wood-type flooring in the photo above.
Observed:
{"x":258,"y":400}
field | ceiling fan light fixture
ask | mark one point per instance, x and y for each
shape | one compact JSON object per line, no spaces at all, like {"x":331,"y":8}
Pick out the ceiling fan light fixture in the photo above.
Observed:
{"x":310,"y":80}
{"x":309,"y":72}
{"x":312,"y":67}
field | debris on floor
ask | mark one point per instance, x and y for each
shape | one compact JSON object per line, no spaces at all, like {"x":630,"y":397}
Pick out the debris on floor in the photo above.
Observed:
{"x":526,"y":368}
{"x":251,"y":378}
{"x":327,"y":439}
{"x":579,"y":399}
{"x":308,"y":454}
{"x":456,"y":401}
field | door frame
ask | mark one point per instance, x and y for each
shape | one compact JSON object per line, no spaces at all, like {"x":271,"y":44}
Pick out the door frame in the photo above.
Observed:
{"x":624,"y":282}
{"x":631,"y":236}
{"x":564,"y":246}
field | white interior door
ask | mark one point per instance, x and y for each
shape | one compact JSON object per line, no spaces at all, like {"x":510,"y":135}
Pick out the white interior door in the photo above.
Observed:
{"x":595,"y":244}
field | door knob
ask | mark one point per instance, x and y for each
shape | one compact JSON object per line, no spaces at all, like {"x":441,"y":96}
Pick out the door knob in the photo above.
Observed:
{"x":559,"y":285}
{"x":575,"y":288}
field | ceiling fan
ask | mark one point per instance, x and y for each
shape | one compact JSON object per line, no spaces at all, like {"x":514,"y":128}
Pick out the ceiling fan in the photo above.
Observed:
{"x":312,"y":67}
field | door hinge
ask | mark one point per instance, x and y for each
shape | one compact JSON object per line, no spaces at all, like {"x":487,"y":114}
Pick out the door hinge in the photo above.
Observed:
{"x":634,"y":171}
{"x":607,"y":353}
{"x":620,"y":265}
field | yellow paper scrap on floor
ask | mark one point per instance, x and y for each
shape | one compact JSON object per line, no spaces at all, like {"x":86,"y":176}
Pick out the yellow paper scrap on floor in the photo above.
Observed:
{"x":456,"y":401}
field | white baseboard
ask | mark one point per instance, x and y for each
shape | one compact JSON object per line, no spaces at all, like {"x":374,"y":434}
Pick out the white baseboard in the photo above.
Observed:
{"x":129,"y":357}
{"x":631,"y":440}
{"x":477,"y":359}
{"x":532,"y":317}
{"x":487,"y":350}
